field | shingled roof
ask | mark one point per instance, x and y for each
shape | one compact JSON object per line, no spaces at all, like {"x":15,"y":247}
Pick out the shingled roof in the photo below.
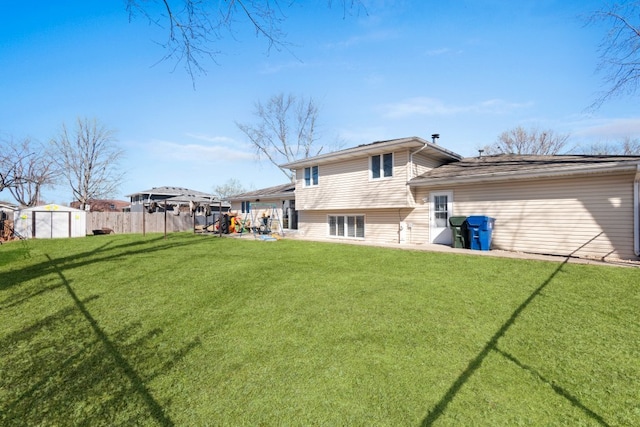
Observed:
{"x":511,"y":166}
{"x":434,"y":151}
{"x":282,"y":190}
{"x":173,"y":192}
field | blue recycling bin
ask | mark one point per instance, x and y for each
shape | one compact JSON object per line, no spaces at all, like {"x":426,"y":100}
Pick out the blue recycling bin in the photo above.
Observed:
{"x":480,"y":231}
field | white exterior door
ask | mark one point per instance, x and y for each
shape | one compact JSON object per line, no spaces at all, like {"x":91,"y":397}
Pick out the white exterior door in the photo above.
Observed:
{"x":441,"y":207}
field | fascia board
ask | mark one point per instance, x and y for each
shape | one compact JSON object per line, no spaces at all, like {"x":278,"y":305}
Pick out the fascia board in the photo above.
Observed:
{"x":417,"y":182}
{"x":369,"y":149}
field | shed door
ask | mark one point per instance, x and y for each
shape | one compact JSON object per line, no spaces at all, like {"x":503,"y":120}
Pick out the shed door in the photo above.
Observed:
{"x":441,"y":207}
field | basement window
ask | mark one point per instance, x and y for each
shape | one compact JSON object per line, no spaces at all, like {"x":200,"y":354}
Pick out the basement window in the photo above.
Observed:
{"x":350,"y":226}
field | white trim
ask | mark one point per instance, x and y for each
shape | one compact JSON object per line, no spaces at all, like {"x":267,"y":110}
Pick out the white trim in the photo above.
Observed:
{"x":374,"y":148}
{"x":382,"y":177}
{"x":432,"y":219}
{"x":304,"y":177}
{"x":346,"y":235}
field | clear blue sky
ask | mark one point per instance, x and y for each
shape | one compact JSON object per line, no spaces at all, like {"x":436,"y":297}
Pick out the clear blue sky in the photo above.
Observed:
{"x":467,"y":70}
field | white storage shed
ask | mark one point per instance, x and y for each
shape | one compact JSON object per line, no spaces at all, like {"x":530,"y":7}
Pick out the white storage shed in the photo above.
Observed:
{"x":50,"y":221}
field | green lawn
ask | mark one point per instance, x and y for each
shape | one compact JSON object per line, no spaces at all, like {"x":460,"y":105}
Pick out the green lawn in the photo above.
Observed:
{"x":198,"y":330}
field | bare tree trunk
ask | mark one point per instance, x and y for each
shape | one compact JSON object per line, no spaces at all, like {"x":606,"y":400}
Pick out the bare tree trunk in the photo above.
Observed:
{"x":88,"y":159}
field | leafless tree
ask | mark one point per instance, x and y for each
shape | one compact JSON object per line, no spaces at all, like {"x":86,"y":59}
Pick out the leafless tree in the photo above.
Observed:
{"x":33,"y":169}
{"x":286,"y":130}
{"x":627,"y":147}
{"x":528,"y":141}
{"x":7,"y":170}
{"x":631,"y":146}
{"x":619,"y":50}
{"x":232,"y":187}
{"x":89,"y":160}
{"x":195,"y":26}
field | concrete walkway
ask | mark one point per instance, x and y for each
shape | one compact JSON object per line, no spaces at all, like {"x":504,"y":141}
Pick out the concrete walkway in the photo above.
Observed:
{"x":429,"y":247}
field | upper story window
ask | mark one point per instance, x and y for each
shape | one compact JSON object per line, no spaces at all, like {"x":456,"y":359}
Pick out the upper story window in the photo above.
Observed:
{"x":311,"y":176}
{"x":382,"y":166}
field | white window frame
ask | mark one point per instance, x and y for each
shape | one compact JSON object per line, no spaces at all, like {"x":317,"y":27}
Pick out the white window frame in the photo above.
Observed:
{"x":346,"y":226}
{"x":381,"y":170}
{"x":311,"y":182}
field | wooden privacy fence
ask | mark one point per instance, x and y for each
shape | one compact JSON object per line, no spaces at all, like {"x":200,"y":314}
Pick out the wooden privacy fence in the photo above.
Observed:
{"x":139,"y":222}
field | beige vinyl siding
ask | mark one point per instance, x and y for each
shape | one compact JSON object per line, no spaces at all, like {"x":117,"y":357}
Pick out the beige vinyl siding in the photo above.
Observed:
{"x":587,"y":217}
{"x":381,"y":225}
{"x":236,"y":207}
{"x":346,"y":185}
{"x":423,"y":164}
{"x":418,"y":221}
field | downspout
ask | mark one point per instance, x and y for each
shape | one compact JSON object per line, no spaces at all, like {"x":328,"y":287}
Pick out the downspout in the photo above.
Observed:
{"x":410,"y":177}
{"x":410,"y":173}
{"x":411,"y":160}
{"x":434,"y":137}
{"x":636,"y":212}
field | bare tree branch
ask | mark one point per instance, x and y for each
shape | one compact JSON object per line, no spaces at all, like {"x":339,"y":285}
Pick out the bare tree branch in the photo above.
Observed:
{"x":628,"y":146}
{"x":88,"y":158}
{"x":232,"y":187}
{"x":528,"y":141}
{"x":286,"y":130}
{"x":34,"y":169}
{"x":619,"y":51}
{"x":195,"y":27}
{"x":13,"y":158}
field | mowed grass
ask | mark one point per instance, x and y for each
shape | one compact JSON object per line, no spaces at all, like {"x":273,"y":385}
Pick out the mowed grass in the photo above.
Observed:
{"x":198,"y":330}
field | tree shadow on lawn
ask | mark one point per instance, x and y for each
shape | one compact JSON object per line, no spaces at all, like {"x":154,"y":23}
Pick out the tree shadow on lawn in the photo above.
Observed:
{"x":65,"y":369}
{"x":105,"y":252}
{"x":492,"y":345}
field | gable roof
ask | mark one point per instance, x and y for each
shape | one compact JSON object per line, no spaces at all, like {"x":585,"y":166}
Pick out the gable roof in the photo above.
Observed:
{"x":174,"y":192}
{"x":277,"y":191}
{"x":378,"y":147}
{"x":511,"y":166}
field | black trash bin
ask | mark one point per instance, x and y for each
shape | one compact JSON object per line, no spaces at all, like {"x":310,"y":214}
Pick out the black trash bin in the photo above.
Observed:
{"x":480,"y":231}
{"x":458,"y":231}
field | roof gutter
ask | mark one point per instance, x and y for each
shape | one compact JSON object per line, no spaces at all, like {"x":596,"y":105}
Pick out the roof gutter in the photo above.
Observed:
{"x":636,"y":212}
{"x":513,"y":176}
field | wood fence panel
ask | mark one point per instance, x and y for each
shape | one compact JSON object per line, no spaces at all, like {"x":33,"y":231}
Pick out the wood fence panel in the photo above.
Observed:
{"x":138,"y":222}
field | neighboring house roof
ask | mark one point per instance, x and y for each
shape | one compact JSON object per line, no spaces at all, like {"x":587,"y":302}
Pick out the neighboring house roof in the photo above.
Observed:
{"x":428,"y":148}
{"x":172,"y":192}
{"x":277,"y":191}
{"x":511,"y":166}
{"x":103,"y":205}
{"x":190,"y":198}
{"x":180,"y":195}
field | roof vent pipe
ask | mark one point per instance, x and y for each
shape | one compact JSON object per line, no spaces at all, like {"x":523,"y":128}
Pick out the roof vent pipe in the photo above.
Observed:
{"x":480,"y":153}
{"x":434,"y":137}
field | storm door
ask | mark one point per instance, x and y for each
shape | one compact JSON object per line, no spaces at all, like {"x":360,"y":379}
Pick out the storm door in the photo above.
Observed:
{"x":441,"y":207}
